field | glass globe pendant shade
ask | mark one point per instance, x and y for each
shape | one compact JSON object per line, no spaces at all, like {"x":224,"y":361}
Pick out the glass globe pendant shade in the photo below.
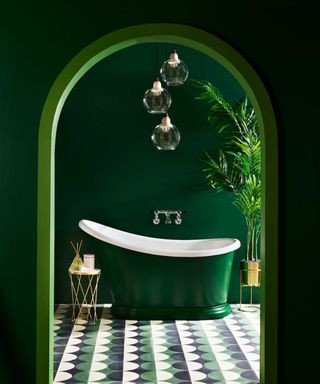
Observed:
{"x":157,"y":99}
{"x":174,"y":71}
{"x":166,"y":136}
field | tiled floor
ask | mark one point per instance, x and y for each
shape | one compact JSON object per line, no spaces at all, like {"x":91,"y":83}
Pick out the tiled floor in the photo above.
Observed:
{"x":157,"y":352}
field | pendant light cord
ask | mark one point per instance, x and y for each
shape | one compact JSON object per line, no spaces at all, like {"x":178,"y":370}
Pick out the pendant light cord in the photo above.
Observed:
{"x":157,"y":60}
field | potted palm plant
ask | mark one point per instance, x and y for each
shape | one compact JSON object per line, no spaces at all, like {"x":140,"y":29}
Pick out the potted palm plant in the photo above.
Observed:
{"x":237,"y":168}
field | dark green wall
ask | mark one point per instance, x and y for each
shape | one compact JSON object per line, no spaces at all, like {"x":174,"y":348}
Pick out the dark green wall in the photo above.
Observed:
{"x":108,"y":170}
{"x":280,"y":38}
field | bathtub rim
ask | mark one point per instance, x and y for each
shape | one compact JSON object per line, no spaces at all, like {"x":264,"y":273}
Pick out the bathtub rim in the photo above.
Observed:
{"x":87,"y":226}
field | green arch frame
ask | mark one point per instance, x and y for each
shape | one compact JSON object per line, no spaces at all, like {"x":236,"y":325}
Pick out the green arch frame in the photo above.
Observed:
{"x":249,"y":80}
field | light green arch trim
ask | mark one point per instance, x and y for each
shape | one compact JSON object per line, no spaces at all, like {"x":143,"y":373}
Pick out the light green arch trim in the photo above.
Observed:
{"x":249,"y":80}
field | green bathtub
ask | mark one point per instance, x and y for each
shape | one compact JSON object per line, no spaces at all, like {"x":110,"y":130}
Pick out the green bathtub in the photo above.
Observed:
{"x":153,"y":278}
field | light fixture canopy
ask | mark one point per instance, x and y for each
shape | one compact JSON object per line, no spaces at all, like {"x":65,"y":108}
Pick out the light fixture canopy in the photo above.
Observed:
{"x":165,"y":136}
{"x":174,"y":71}
{"x":157,"y":99}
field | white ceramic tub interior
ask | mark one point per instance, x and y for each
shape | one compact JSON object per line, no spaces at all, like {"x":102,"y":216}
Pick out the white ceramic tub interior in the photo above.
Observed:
{"x":161,"y":247}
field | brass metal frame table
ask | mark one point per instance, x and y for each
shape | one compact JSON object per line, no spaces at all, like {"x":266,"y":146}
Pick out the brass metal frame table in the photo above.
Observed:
{"x":84,"y":294}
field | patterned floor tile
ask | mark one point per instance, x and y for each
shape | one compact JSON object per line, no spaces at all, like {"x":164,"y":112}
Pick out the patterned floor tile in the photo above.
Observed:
{"x":222,"y":351}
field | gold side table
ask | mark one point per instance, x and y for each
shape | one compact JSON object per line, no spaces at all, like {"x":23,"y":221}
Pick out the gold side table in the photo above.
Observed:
{"x":84,"y":291}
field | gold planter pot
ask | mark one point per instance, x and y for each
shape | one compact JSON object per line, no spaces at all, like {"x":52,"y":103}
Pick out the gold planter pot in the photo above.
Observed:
{"x":250,"y":273}
{"x":250,"y":276}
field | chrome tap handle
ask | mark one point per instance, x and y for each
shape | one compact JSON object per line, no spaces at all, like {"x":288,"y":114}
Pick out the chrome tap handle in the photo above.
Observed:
{"x":178,"y":219}
{"x":156,"y":219}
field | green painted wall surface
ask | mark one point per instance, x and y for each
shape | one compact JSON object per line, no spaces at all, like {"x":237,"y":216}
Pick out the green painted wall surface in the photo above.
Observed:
{"x":280,"y":38}
{"x":108,"y":170}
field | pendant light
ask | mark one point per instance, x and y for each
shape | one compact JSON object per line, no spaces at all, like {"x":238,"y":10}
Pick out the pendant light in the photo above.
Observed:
{"x":165,"y":136}
{"x":157,"y":99}
{"x":174,"y":71}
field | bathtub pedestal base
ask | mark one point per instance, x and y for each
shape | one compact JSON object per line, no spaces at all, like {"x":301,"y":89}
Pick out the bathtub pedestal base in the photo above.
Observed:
{"x":170,"y":313}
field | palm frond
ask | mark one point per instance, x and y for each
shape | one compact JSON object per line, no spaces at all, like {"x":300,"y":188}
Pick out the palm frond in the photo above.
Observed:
{"x":238,"y":167}
{"x":222,"y":175}
{"x":221,"y":110}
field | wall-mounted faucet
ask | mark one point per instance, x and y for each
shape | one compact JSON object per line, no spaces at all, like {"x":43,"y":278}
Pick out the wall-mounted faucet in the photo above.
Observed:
{"x":167,"y":213}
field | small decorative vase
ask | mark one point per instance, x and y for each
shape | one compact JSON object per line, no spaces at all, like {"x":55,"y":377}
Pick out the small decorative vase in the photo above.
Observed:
{"x":77,"y":263}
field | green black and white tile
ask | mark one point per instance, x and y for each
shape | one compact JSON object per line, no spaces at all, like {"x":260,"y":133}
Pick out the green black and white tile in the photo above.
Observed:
{"x":160,"y":352}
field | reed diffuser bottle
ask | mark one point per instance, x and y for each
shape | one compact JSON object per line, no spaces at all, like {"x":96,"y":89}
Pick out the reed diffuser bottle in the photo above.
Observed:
{"x":77,"y":262}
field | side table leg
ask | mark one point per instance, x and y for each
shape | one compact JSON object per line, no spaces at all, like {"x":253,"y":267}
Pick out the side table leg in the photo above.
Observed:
{"x":72,"y":297}
{"x":96,"y":297}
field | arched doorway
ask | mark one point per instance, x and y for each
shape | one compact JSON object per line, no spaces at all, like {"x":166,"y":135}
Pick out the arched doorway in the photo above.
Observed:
{"x":247,"y":77}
